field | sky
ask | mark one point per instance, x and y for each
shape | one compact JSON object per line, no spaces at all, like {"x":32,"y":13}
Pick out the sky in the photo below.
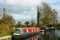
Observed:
{"x":25,"y":10}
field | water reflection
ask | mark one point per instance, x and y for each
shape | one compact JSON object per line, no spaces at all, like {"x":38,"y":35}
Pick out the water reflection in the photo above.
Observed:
{"x":57,"y":32}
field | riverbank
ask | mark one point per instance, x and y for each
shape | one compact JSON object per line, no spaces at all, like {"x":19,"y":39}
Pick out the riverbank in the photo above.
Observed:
{"x":5,"y":37}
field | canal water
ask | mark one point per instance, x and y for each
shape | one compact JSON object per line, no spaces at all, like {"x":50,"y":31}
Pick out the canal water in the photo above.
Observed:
{"x":57,"y":32}
{"x":57,"y":35}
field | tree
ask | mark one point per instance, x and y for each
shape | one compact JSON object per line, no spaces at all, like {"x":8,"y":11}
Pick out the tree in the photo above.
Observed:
{"x":32,"y":23}
{"x":4,"y":28}
{"x":18,"y":24}
{"x":38,"y":13}
{"x":47,"y":15}
{"x":27,"y":23}
{"x":7,"y":20}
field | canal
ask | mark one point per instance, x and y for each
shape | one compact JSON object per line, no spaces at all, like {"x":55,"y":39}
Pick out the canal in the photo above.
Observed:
{"x":57,"y":32}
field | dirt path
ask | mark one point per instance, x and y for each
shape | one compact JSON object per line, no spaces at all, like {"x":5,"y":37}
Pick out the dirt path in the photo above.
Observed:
{"x":6,"y":37}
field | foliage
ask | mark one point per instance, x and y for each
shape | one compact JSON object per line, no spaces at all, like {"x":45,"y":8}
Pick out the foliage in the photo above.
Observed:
{"x":33,"y":23}
{"x":47,"y":15}
{"x":7,"y":33}
{"x":18,"y":24}
{"x":7,"y":20}
{"x":4,"y":28}
{"x":57,"y":26}
{"x":27,"y":23}
{"x":5,"y":25}
{"x":58,"y":38}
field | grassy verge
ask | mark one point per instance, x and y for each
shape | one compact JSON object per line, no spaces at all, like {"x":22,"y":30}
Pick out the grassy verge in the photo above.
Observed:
{"x":5,"y":34}
{"x":59,"y":38}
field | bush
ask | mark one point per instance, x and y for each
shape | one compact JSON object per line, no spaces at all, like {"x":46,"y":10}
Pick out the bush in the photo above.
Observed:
{"x":4,"y":28}
{"x":10,"y":33}
{"x":59,"y":38}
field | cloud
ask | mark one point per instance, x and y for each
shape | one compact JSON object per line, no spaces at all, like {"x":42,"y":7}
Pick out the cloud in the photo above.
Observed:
{"x":1,"y":1}
{"x":21,"y":17}
{"x":25,"y":9}
{"x":21,"y":10}
{"x":23,"y":2}
{"x":25,"y":15}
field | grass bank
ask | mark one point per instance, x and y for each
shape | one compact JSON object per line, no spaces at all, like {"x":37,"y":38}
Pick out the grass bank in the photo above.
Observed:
{"x":5,"y":34}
